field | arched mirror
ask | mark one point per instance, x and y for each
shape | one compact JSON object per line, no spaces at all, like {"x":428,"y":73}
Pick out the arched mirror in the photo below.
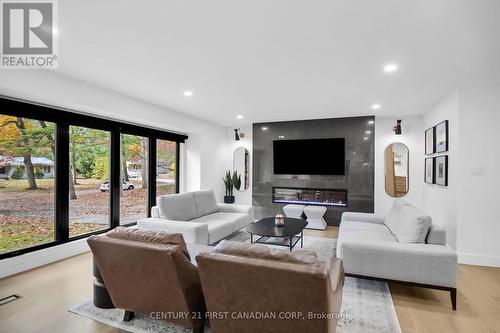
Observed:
{"x":396,"y":169}
{"x":240,"y":165}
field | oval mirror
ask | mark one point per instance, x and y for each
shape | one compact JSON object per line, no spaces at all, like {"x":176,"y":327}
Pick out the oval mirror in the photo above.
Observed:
{"x":240,"y":165}
{"x":396,"y":169}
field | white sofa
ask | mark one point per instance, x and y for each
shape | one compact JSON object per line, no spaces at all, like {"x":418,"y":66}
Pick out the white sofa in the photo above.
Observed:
{"x":403,"y":246}
{"x":197,"y":216}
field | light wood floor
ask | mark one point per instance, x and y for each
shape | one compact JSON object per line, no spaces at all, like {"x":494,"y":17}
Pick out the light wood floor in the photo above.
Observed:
{"x":50,"y":290}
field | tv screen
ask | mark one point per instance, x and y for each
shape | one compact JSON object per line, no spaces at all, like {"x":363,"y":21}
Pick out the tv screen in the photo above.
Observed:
{"x":309,"y":157}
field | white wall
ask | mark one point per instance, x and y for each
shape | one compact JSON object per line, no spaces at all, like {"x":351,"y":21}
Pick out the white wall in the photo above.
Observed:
{"x":468,"y":206}
{"x":441,"y":201}
{"x":479,"y":195}
{"x":412,"y":138}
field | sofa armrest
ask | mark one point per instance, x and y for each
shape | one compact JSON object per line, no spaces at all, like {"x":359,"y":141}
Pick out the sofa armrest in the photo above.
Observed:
{"x":232,"y":208}
{"x":363,"y":217}
{"x":420,"y":263}
{"x":436,"y":235}
{"x":192,"y":232}
{"x":155,"y":212}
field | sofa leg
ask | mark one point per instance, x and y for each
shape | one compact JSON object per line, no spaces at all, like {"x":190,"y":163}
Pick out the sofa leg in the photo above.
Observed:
{"x":453,"y":296}
{"x":128,"y":316}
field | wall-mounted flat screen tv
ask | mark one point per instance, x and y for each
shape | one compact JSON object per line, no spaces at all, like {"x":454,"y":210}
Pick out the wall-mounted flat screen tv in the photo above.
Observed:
{"x":309,"y":157}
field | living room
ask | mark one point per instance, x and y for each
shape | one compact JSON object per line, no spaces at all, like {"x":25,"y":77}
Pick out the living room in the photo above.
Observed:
{"x":317,"y":167}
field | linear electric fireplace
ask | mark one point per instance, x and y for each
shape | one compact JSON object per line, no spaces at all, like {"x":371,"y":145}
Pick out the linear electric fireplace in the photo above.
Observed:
{"x":310,"y":196}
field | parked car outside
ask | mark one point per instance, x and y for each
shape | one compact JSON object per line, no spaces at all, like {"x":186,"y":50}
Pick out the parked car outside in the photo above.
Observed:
{"x":125,"y":186}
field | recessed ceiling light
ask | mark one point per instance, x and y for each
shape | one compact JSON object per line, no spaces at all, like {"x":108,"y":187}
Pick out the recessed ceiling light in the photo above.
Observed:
{"x":376,"y":106}
{"x":239,"y":116}
{"x":371,"y":122}
{"x":281,"y":137}
{"x":264,"y":128}
{"x":188,"y":93}
{"x":365,"y":138}
{"x":368,"y":132}
{"x":390,"y":68}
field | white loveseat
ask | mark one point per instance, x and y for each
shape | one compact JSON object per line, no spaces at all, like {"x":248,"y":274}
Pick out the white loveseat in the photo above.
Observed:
{"x":197,"y":216}
{"x":403,"y":246}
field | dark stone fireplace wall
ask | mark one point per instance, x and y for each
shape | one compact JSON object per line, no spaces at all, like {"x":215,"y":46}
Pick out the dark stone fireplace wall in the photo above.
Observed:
{"x":358,"y":179}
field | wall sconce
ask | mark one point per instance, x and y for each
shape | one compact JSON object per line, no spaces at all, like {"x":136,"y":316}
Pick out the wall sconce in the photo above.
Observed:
{"x":238,"y":134}
{"x":397,"y":128}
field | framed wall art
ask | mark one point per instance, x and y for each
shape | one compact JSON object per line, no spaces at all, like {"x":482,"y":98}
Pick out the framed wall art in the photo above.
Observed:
{"x":441,"y":137}
{"x":429,"y":170}
{"x":430,"y":143}
{"x":441,"y":170}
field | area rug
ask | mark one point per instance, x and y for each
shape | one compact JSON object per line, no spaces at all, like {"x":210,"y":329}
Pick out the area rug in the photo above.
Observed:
{"x":366,"y":305}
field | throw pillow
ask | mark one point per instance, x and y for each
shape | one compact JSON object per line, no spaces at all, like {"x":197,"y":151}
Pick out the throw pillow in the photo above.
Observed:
{"x":414,"y":225}
{"x":177,"y":207}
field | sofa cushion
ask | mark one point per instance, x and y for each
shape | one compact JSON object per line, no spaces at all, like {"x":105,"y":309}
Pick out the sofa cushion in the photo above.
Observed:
{"x":149,"y":236}
{"x":302,"y":256}
{"x":238,"y":220}
{"x":177,"y":207}
{"x":218,"y":229}
{"x":205,"y":202}
{"x":392,"y":219}
{"x":414,"y":225}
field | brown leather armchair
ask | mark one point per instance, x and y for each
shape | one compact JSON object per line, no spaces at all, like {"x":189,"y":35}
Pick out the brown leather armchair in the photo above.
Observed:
{"x":250,"y":288}
{"x":150,"y":272}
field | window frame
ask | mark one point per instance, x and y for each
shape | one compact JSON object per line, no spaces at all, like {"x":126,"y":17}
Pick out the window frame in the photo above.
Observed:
{"x":63,"y":118}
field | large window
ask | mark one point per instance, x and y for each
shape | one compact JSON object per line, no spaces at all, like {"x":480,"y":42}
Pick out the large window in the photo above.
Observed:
{"x":166,"y":167}
{"x":134,"y":173}
{"x":27,"y":164}
{"x":65,"y":176}
{"x":90,"y":161}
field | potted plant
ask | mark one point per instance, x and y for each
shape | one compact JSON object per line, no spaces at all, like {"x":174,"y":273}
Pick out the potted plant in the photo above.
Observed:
{"x":228,"y":182}
{"x":236,"y":180}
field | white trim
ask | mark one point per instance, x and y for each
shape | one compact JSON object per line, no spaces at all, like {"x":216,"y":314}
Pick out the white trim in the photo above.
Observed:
{"x":477,"y":259}
{"x":14,"y":265}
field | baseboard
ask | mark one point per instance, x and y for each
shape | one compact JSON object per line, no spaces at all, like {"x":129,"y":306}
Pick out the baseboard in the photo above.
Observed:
{"x":479,"y":260}
{"x":14,"y":265}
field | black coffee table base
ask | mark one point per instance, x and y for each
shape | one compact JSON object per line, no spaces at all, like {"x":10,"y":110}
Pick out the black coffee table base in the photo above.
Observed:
{"x":292,"y":240}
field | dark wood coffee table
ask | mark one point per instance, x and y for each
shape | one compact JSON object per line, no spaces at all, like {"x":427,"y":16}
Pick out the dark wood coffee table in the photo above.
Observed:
{"x":266,"y":229}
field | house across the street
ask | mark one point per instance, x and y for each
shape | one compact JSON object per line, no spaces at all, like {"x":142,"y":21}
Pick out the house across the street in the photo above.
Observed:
{"x":44,"y":167}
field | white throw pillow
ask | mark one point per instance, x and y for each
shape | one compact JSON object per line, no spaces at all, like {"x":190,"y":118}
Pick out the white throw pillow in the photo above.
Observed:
{"x":414,"y":225}
{"x":177,"y":207}
{"x":205,"y":202}
{"x":393,"y":219}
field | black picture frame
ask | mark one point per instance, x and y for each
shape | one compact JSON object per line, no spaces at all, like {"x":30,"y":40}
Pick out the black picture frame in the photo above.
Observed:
{"x":441,"y":170}
{"x":430,"y":147}
{"x":429,"y":179}
{"x":441,"y":137}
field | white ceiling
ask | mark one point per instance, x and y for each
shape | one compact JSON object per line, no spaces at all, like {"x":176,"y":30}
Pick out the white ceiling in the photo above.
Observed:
{"x":281,"y":59}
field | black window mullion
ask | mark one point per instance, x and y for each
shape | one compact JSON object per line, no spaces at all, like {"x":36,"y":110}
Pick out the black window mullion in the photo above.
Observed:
{"x":177,"y":164}
{"x":61,"y":229}
{"x":115,"y":187}
{"x":151,"y":174}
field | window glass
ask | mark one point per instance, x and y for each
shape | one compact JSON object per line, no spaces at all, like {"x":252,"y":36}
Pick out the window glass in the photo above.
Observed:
{"x":134,"y":172}
{"x":166,"y":167}
{"x":89,"y":154}
{"x":27,"y":169}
